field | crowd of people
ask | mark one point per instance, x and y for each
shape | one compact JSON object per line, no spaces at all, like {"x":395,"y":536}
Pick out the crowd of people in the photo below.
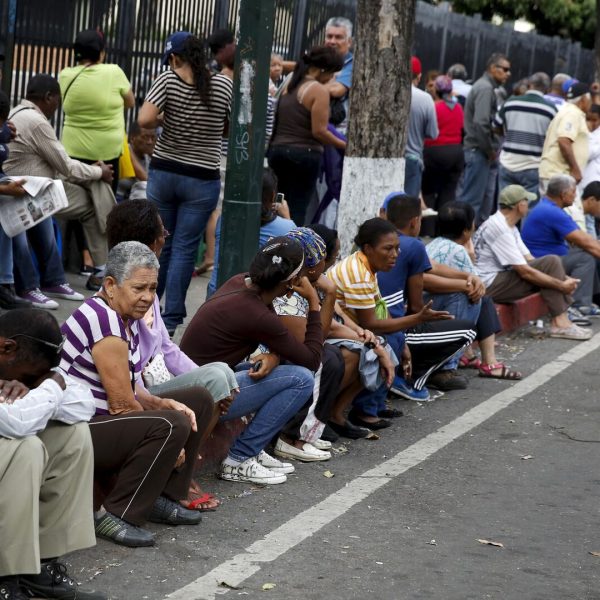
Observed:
{"x":306,"y":346}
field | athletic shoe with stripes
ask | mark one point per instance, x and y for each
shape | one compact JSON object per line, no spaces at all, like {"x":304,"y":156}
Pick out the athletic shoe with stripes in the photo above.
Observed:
{"x":110,"y":527}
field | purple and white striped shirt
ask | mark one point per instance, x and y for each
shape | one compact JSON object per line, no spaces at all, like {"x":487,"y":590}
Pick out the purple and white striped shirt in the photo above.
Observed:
{"x":93,"y":321}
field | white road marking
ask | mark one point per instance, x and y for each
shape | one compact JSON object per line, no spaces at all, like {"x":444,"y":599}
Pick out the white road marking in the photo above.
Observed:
{"x":307,"y":523}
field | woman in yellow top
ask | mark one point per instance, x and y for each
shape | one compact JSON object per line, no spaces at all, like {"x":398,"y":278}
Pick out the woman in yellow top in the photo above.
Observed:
{"x":360,"y":300}
{"x":94,"y":97}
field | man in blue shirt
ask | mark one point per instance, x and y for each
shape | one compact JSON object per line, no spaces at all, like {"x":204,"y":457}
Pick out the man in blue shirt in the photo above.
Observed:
{"x":338,"y":35}
{"x":432,"y":344}
{"x":550,"y":230}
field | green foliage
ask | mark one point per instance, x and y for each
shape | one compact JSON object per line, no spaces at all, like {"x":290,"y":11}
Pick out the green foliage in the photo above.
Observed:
{"x":574,"y":19}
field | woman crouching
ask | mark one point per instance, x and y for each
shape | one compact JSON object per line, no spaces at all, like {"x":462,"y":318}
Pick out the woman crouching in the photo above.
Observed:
{"x":149,"y":443}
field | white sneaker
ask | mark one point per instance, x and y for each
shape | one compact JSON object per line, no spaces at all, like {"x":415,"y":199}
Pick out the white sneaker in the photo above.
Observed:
{"x":322,"y":444}
{"x":270,"y":462}
{"x":251,"y":471}
{"x":308,"y":453}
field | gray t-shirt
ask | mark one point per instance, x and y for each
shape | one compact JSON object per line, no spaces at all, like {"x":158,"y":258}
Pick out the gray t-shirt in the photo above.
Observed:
{"x":422,"y":121}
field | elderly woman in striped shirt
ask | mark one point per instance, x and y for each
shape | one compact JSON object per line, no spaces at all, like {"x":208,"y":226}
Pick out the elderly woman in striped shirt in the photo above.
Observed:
{"x":149,"y":442}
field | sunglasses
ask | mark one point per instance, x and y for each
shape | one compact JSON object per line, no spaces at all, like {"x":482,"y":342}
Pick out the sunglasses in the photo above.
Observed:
{"x":56,"y":347}
{"x":505,"y":69}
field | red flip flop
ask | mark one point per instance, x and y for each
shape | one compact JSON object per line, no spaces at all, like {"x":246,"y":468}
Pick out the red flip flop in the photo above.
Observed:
{"x":205,"y":498}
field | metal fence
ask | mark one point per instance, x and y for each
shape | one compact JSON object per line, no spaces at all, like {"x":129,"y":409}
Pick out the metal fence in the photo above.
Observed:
{"x":443,"y":38}
{"x":37,"y":36}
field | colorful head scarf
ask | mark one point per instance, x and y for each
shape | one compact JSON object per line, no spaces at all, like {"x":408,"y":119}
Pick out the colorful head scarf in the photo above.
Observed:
{"x":312,"y":243}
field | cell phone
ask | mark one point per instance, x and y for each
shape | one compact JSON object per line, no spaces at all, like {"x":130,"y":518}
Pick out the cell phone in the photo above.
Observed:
{"x":279,"y":198}
{"x":256,"y":366}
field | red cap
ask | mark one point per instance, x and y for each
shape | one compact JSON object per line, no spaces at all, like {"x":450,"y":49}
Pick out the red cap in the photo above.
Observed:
{"x":415,"y":65}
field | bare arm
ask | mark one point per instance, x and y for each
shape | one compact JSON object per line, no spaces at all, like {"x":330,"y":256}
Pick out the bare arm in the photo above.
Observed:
{"x":129,"y":99}
{"x":368,"y":320}
{"x":414,"y":286}
{"x":565,"y":146}
{"x":336,"y":89}
{"x":148,"y":116}
{"x":585,"y":241}
{"x":111,"y":358}
{"x":545,"y":281}
{"x":316,"y":100}
{"x":140,"y":172}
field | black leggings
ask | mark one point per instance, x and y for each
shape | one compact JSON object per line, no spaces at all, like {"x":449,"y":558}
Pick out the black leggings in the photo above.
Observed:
{"x":297,"y":170}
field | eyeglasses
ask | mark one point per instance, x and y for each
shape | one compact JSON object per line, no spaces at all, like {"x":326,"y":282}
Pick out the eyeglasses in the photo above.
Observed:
{"x":505,"y":69}
{"x":56,"y":347}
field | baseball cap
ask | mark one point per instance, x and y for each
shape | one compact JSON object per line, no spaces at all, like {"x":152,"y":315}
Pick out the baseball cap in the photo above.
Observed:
{"x":415,"y":65}
{"x":513,"y":194}
{"x":174,"y":44}
{"x":577,"y":89}
{"x":391,"y":195}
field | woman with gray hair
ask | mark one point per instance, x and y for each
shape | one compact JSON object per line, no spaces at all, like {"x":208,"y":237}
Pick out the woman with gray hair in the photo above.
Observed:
{"x":149,"y":444}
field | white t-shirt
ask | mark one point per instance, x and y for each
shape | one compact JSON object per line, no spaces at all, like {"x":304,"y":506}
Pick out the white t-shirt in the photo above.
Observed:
{"x":498,"y":247}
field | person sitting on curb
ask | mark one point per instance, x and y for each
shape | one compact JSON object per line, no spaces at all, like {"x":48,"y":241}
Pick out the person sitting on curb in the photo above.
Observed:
{"x":231,"y":325}
{"x":548,"y":229}
{"x":165,"y":368}
{"x":456,"y":221}
{"x":150,"y":443}
{"x":37,"y":152}
{"x":433,"y":346}
{"x":510,"y":272}
{"x":359,"y":296}
{"x":46,"y":461}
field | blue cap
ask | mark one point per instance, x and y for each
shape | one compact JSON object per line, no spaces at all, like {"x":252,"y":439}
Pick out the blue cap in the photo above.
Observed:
{"x":568,"y":83}
{"x":390,"y":196}
{"x":174,"y":45}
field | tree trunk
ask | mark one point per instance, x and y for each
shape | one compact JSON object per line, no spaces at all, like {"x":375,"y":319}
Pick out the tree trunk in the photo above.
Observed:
{"x":379,"y":107}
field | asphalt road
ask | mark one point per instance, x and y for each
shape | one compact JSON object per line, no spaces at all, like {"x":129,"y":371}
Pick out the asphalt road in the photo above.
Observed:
{"x":402,"y":516}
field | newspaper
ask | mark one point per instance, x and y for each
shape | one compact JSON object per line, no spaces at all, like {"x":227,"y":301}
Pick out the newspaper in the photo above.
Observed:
{"x":44,"y":198}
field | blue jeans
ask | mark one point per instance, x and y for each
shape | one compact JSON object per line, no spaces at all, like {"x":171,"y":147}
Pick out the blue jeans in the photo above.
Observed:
{"x":6,"y":259}
{"x":413,"y":175}
{"x":49,"y":271}
{"x":370,"y":403}
{"x":477,"y":170}
{"x":275,"y":399}
{"x":185,"y":204}
{"x":529,"y":179}
{"x":456,"y":304}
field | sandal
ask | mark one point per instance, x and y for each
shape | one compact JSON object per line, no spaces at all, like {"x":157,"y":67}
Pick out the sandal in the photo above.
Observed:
{"x":505,"y":373}
{"x":472,"y":362}
{"x":197,"y":499}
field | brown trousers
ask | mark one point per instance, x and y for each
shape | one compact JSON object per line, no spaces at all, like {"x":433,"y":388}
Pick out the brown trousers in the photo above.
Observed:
{"x":508,"y":286}
{"x":141,"y":448}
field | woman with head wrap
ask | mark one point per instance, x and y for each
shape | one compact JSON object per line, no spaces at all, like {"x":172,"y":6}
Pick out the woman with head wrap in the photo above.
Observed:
{"x":443,"y":157}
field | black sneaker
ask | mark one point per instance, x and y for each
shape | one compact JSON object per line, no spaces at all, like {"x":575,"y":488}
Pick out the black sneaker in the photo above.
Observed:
{"x":172,"y":513}
{"x":329,"y":435}
{"x":54,"y":582}
{"x":446,"y":381}
{"x":110,"y":527}
{"x":10,"y":589}
{"x":94,"y":283}
{"x":350,"y":431}
{"x":10,"y":300}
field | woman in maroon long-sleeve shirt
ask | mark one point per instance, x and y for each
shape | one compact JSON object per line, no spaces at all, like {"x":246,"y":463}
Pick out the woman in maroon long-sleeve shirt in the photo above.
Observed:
{"x":231,"y":325}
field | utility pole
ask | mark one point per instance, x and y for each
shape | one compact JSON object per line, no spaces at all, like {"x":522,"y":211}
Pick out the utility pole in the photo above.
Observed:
{"x":379,"y":107}
{"x":240,"y":222}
